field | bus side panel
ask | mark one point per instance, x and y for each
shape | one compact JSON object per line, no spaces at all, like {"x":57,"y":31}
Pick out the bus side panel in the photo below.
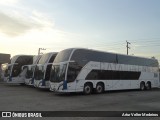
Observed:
{"x":81,"y":79}
{"x":108,"y":85}
{"x":156,"y":80}
{"x":117,"y":85}
{"x":135,"y":84}
{"x":126,"y":84}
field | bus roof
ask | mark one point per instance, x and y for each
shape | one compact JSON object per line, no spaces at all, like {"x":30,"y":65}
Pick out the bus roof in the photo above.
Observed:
{"x":111,"y":53}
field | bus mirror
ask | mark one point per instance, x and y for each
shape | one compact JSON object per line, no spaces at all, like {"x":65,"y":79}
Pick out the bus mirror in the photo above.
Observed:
{"x":41,"y":68}
{"x":22,"y":68}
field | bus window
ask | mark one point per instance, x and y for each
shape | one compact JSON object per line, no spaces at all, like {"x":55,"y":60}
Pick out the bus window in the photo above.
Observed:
{"x":73,"y":71}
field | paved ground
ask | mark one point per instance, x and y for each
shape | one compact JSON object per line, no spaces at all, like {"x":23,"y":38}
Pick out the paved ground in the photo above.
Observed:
{"x":25,"y":98}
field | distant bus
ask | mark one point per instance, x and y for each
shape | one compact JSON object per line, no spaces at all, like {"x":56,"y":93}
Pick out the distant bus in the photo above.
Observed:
{"x":85,"y":70}
{"x":43,"y":69}
{"x":14,"y":72}
{"x":29,"y":76}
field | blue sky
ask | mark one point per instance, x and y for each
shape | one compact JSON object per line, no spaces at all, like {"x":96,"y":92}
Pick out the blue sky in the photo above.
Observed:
{"x":105,"y":25}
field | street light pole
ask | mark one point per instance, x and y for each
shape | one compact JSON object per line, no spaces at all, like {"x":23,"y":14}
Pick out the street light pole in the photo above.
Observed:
{"x":128,"y":46}
{"x":39,"y":50}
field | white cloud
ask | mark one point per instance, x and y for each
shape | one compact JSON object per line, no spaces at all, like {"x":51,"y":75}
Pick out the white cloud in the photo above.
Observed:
{"x":24,"y":30}
{"x":16,"y":23}
{"x":12,"y":26}
{"x":41,"y":19}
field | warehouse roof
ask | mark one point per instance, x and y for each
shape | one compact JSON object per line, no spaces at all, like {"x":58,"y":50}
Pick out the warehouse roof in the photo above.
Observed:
{"x":4,"y":58}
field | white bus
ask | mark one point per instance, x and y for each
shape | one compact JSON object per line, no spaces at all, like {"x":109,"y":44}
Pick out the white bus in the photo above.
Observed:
{"x":43,"y":69}
{"x":14,"y":72}
{"x":84,"y":70}
{"x":29,"y":77}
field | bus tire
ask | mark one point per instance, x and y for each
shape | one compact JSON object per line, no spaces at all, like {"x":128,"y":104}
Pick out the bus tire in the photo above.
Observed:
{"x":99,"y":88}
{"x":148,"y":86}
{"x":87,"y":89}
{"x":142,"y":86}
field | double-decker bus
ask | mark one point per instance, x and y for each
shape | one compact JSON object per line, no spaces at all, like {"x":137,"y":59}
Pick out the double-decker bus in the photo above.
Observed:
{"x":29,"y":77}
{"x":42,"y":70}
{"x":14,"y":72}
{"x":85,"y":70}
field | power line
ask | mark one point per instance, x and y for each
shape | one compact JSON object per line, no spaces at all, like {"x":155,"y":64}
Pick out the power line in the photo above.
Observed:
{"x":147,"y":39}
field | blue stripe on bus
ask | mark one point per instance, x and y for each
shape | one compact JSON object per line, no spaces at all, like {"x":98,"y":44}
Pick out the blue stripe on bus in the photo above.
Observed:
{"x":64,"y":85}
{"x":43,"y":83}
{"x":32,"y":81}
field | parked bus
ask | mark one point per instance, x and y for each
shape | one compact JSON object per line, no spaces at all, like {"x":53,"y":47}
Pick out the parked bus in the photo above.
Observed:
{"x":43,"y":69}
{"x":14,"y":72}
{"x":85,"y":70}
{"x":29,"y":77}
{"x":4,"y":68}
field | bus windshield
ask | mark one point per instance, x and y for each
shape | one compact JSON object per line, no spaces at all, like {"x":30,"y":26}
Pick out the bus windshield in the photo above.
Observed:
{"x":63,"y":56}
{"x":16,"y":70}
{"x":29,"y":73}
{"x":36,"y":59}
{"x":44,"y":59}
{"x":39,"y":74}
{"x":7,"y":70}
{"x":58,"y":73}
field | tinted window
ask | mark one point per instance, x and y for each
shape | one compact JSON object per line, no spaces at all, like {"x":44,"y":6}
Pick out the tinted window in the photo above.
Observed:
{"x":48,"y":71}
{"x":132,"y":60}
{"x":16,"y":70}
{"x":29,"y":73}
{"x":82,"y":57}
{"x":44,"y":59}
{"x":73,"y":70}
{"x":38,"y":74}
{"x":63,"y":56}
{"x":113,"y":75}
{"x":58,"y":73}
{"x":52,"y":58}
{"x":36,"y":59}
{"x":22,"y":60}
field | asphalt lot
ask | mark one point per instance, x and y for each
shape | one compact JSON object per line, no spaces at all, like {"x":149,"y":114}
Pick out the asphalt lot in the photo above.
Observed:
{"x":26,"y":98}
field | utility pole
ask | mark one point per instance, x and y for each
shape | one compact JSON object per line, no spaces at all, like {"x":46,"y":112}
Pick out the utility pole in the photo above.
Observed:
{"x":128,"y":46}
{"x":39,"y":50}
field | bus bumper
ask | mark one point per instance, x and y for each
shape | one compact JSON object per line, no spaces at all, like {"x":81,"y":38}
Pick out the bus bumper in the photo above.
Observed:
{"x":40,"y":84}
{"x":16,"y":80}
{"x":28,"y":81}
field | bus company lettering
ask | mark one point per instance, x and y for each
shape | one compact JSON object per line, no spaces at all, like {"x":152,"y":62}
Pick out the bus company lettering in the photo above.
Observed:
{"x":140,"y":114}
{"x":15,"y":114}
{"x":131,"y":114}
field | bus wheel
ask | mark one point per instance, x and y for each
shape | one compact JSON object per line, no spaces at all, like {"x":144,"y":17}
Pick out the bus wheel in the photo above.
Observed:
{"x":87,"y":89}
{"x":99,"y":88}
{"x":142,"y":86}
{"x":148,"y":86}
